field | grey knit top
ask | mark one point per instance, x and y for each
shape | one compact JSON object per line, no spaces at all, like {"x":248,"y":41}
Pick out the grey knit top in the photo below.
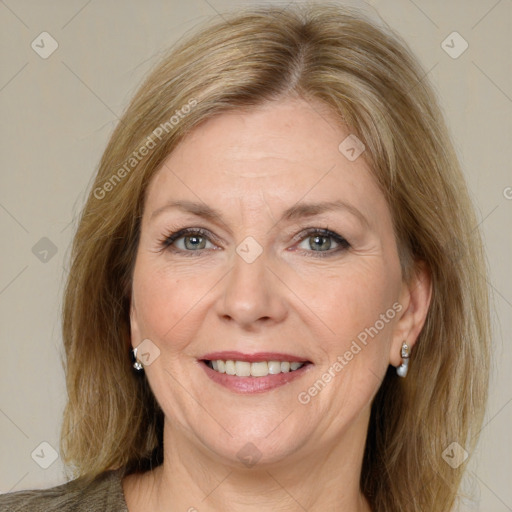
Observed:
{"x":103,"y":494}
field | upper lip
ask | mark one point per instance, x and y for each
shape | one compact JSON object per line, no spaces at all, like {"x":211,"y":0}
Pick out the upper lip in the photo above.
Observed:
{"x":252,"y":358}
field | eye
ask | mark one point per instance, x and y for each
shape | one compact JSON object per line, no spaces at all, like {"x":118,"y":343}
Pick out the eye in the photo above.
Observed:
{"x":187,"y":240}
{"x":314,"y":241}
{"x":323,"y":241}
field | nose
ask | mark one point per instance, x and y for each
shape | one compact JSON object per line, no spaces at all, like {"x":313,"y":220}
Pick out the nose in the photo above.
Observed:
{"x":252,"y":294}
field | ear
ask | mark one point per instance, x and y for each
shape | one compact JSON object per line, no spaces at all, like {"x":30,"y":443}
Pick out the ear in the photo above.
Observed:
{"x":415,"y":299}
{"x":134,"y":323}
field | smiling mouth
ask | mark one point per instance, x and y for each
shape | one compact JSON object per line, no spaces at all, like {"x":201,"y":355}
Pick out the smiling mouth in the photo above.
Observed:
{"x":253,"y":369}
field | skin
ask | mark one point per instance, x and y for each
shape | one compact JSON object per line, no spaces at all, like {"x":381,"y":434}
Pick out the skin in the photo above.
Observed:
{"x":251,"y":166}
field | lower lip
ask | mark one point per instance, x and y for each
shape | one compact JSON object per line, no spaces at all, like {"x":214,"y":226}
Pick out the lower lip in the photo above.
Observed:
{"x":254,"y":384}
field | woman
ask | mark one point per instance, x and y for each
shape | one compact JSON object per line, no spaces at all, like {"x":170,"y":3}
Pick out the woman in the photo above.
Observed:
{"x":280,"y":235}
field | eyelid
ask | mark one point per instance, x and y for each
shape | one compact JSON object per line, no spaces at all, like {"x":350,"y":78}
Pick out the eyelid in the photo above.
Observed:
{"x":167,"y":241}
{"x":343,"y":243}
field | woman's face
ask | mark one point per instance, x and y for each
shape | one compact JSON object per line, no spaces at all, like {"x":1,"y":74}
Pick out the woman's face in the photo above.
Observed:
{"x":290,"y":257}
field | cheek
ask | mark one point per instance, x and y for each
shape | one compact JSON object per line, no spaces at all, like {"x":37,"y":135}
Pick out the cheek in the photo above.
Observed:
{"x":165,"y":302}
{"x":358,"y":306}
{"x":356,"y":296}
{"x":358,"y":310}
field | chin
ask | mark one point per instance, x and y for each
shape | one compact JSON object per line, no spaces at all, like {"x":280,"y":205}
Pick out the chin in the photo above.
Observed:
{"x":250,"y":444}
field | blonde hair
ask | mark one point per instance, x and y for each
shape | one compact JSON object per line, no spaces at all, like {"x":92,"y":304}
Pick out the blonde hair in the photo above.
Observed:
{"x":368,"y":78}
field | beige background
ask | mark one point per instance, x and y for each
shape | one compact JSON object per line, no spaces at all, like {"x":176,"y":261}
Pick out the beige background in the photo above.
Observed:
{"x":57,"y":114}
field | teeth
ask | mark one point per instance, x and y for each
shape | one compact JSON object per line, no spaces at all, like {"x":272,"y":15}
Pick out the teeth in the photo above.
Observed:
{"x":230,"y":367}
{"x":274,"y":367}
{"x":259,"y":369}
{"x":242,"y":368}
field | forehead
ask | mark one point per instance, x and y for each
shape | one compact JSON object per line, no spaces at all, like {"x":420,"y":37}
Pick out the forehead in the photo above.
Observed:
{"x":280,"y":151}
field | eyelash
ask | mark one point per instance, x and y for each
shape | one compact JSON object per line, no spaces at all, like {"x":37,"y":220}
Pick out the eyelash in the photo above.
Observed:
{"x":167,"y":241}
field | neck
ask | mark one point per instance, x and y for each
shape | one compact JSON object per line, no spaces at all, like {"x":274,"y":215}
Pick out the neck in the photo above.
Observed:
{"x":191,"y":479}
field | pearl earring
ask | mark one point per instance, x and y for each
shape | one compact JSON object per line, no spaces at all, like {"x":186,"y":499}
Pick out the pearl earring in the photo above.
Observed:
{"x":406,"y":354}
{"x":136,"y":363}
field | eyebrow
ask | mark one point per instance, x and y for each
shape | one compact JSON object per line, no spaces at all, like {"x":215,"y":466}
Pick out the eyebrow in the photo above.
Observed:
{"x":295,"y":212}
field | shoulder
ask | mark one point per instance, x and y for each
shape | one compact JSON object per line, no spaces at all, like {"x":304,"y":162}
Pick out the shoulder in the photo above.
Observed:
{"x":104,"y":493}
